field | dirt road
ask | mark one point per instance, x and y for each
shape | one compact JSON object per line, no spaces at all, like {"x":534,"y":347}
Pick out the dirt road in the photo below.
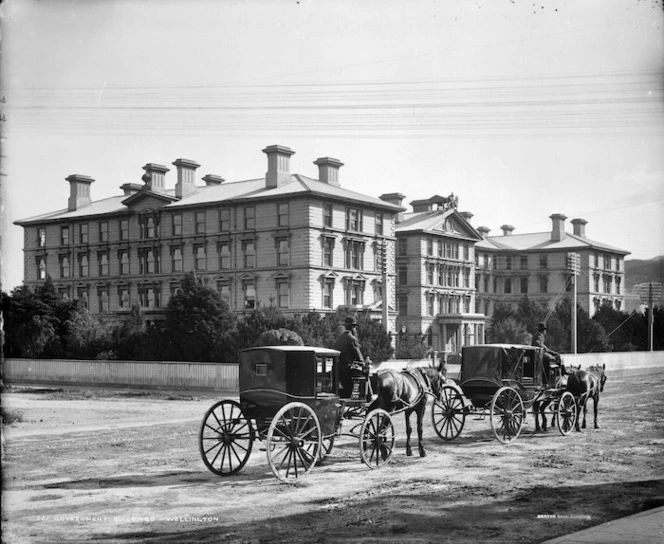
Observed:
{"x":123,"y":468}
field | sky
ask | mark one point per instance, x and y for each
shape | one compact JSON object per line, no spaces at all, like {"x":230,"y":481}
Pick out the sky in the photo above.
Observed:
{"x":522,"y":109}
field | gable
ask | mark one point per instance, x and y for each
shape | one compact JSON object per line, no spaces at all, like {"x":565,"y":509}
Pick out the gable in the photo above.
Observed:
{"x":147,"y":200}
{"x":450,"y":226}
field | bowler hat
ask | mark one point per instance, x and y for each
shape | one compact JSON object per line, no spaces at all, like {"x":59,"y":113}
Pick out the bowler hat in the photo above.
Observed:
{"x":350,"y":321}
{"x":541,"y":327}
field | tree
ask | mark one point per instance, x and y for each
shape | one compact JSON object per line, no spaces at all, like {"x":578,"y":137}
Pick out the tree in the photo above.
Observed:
{"x":375,"y":343}
{"x":510,"y":331}
{"x":198,"y":324}
{"x":412,"y":347}
{"x":279,"y":337}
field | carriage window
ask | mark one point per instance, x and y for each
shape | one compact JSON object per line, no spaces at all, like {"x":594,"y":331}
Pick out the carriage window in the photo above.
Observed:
{"x":261,"y":369}
{"x":324,"y":382}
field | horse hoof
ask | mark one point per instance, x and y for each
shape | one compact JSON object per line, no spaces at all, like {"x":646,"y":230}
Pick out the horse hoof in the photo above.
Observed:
{"x":596,"y":426}
{"x":409,"y":453}
{"x":423,"y":454}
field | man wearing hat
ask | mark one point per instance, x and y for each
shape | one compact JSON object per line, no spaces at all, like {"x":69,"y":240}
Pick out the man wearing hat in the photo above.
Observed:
{"x":351,"y":362}
{"x":550,"y":358}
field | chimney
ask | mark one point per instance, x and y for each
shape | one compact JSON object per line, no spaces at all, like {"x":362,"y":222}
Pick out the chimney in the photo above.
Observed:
{"x":558,"y":227}
{"x":186,"y":183}
{"x":79,"y":191}
{"x":467,"y":216}
{"x":211,"y":179}
{"x":155,"y":177}
{"x":507,"y":230}
{"x":328,"y":170}
{"x":397,"y":200}
{"x":278,"y":165}
{"x":130,"y":188}
{"x":484,"y":231}
{"x":580,"y":227}
{"x":424,"y":205}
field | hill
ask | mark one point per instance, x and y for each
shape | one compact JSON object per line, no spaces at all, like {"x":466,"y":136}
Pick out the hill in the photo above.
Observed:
{"x":641,"y":271}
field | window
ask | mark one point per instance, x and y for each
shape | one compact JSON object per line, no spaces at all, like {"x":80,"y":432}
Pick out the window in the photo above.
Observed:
{"x":103,"y":235}
{"x":403,"y":275}
{"x":249,"y":254}
{"x":83,"y":265}
{"x":149,"y":262}
{"x":283,"y":252}
{"x":224,"y":292}
{"x":607,"y":262}
{"x":224,"y":255}
{"x":41,"y":268}
{"x":177,"y":224}
{"x":486,"y":284}
{"x":544,"y":284}
{"x":441,"y":274}
{"x":200,"y":222}
{"x":402,"y":305}
{"x":618,"y":305}
{"x":355,"y":255}
{"x":466,"y":277}
{"x":200,"y":258}
{"x":355,"y":293}
{"x":124,"y":229}
{"x":63,"y":293}
{"x":224,"y":220}
{"x":430,"y":273}
{"x":524,"y":285}
{"x":123,"y":258}
{"x":249,"y":294}
{"x":508,"y":262}
{"x":466,"y":252}
{"x":283,"y":294}
{"x":148,"y":227}
{"x":524,"y":262}
{"x":379,"y":223}
{"x":544,"y":262}
{"x":102,"y":296}
{"x":403,"y":246}
{"x":176,"y":259}
{"x":123,"y":297}
{"x":508,"y":286}
{"x":327,"y":215}
{"x":466,"y":305}
{"x":64,"y":266}
{"x":83,"y":233}
{"x":249,"y":218}
{"x":41,"y":237}
{"x":431,"y":298}
{"x":64,"y":236}
{"x":596,"y":282}
{"x":618,"y":287}
{"x":328,"y":292}
{"x":607,"y":283}
{"x":354,"y":219}
{"x":617,"y":264}
{"x":149,"y":296}
{"x":429,"y":247}
{"x":82,"y":295}
{"x":102,"y":258}
{"x":328,"y":251}
{"x":282,"y":214}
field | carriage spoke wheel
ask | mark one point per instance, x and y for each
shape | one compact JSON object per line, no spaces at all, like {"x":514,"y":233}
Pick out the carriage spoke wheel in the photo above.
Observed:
{"x":567,"y":413}
{"x":506,"y":415}
{"x":447,"y":414}
{"x":377,"y":438}
{"x":225,"y":438}
{"x":293,"y":442}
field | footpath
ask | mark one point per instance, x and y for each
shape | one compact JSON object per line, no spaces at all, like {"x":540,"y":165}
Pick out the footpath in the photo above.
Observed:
{"x":643,"y":528}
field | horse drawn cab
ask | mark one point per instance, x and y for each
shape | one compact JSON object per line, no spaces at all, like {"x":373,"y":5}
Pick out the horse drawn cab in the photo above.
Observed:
{"x":501,"y":381}
{"x":271,"y":377}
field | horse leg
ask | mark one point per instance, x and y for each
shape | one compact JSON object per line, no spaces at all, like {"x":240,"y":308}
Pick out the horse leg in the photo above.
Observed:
{"x":409,"y":452}
{"x":536,"y":408}
{"x":595,"y":401}
{"x":585,"y":411}
{"x":420,"y":413}
{"x":577,"y":401}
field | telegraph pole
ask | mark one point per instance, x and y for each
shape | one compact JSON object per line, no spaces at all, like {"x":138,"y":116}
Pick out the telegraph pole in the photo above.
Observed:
{"x":649,"y":292}
{"x":383,"y":254}
{"x":574,"y":268}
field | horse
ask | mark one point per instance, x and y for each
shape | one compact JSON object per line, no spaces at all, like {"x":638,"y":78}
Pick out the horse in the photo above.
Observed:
{"x":407,"y":390}
{"x":585,"y":385}
{"x":540,"y":406}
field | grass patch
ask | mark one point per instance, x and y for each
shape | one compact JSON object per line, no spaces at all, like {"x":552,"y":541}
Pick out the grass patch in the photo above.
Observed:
{"x":9,"y":417}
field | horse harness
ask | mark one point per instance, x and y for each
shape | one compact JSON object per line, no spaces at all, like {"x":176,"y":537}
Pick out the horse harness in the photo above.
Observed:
{"x":423,"y":386}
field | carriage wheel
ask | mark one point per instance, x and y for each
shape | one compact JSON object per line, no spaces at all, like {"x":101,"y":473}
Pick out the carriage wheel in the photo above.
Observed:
{"x":506,"y":415}
{"x":447,"y":414}
{"x":567,"y":413}
{"x":377,"y":438}
{"x":293,"y":442}
{"x":225,"y":438}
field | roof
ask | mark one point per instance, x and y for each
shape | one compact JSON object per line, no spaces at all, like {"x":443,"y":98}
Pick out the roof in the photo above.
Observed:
{"x":539,"y":241}
{"x":320,"y":351}
{"x":209,"y":194}
{"x":433,"y":220}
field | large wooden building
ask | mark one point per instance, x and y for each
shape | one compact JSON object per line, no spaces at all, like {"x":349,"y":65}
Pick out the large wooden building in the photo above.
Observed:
{"x":285,"y":239}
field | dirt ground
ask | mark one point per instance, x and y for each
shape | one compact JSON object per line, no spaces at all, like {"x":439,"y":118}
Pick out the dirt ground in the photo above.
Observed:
{"x":122,"y":467}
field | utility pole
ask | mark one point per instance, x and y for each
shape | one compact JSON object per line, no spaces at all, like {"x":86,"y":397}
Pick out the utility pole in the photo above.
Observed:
{"x":574,"y":268}
{"x":383,"y":264}
{"x":649,"y":292}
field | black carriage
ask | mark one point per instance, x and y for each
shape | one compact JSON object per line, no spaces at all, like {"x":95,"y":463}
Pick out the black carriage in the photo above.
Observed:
{"x":502,"y":381}
{"x":289,"y":398}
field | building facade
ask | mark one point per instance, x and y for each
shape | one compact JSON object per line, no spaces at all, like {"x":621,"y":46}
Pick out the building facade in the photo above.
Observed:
{"x":285,"y":239}
{"x":538,"y":265}
{"x":435,"y":270}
